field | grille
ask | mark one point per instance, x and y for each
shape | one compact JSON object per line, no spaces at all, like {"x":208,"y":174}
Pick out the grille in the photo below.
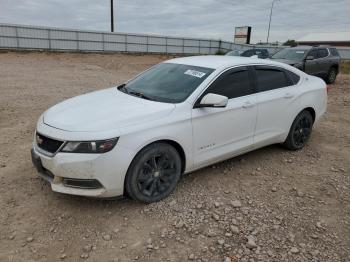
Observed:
{"x":48,"y":144}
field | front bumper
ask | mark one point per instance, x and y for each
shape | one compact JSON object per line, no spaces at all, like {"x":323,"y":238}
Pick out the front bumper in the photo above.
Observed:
{"x":92,"y":175}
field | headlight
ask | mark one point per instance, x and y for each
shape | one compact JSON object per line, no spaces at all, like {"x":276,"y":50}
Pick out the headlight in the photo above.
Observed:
{"x":93,"y":147}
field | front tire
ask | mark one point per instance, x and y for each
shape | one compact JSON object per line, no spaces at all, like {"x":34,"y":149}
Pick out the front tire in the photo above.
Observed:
{"x":300,"y":131}
{"x":153,"y":173}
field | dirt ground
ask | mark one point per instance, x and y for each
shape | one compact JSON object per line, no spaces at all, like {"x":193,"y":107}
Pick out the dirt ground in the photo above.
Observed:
{"x":268,"y":205}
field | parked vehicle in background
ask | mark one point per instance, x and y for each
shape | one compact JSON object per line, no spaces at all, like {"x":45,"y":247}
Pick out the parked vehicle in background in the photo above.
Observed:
{"x":259,"y":52}
{"x":234,"y":53}
{"x":176,"y":117}
{"x":319,"y":61}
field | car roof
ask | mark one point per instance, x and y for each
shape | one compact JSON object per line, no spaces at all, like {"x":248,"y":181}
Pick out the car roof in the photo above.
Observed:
{"x":219,"y":62}
{"x":302,"y":47}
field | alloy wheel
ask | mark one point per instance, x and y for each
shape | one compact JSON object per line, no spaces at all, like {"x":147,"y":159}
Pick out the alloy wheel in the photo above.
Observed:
{"x":156,"y":175}
{"x":302,"y":131}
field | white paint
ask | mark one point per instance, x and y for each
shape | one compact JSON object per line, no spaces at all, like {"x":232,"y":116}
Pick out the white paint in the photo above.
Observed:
{"x":207,"y":135}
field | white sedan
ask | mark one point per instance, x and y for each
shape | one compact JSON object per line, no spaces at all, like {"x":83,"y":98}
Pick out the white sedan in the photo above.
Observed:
{"x":176,"y":117}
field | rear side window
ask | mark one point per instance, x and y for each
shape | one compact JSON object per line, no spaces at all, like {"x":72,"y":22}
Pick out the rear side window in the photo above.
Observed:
{"x":269,"y":78}
{"x":234,"y":83}
{"x":321,"y":53}
{"x":248,"y":53}
{"x":334,"y":51}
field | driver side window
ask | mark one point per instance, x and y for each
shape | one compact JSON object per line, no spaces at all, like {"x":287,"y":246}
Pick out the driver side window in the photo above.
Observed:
{"x":233,"y":83}
{"x":313,"y":53}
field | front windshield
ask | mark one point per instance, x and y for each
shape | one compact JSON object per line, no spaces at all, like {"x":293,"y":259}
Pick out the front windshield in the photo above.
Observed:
{"x":166,"y":82}
{"x":290,"y":54}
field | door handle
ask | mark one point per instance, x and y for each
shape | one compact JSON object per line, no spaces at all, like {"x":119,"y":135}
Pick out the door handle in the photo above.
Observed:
{"x":288,"y":95}
{"x":247,"y":105}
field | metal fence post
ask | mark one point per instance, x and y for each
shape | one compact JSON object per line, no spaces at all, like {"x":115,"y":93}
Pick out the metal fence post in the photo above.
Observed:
{"x":147,"y":42}
{"x":17,"y":39}
{"x":103,"y":42}
{"x":77,"y":36}
{"x":49,"y":37}
{"x":183,"y":45}
{"x":126,"y":43}
{"x":166,"y":45}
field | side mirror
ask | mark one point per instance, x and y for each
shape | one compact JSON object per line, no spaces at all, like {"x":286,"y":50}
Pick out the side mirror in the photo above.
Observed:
{"x":310,"y":57}
{"x":213,"y":100}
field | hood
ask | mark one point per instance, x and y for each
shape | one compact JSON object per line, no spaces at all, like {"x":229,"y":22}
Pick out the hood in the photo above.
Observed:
{"x":108,"y":109}
{"x":286,"y":61}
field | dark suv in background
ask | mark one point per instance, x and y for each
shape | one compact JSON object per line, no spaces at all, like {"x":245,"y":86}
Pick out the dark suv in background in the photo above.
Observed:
{"x":320,"y":61}
{"x":260,"y":52}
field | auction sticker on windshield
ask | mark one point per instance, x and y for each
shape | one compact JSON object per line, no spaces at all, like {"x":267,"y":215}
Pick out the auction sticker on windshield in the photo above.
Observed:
{"x":194,"y":73}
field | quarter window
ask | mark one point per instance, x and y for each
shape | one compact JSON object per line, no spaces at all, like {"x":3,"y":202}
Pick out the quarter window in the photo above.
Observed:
{"x":234,"y":83}
{"x":269,"y":78}
{"x":334,"y":52}
{"x":294,"y":77}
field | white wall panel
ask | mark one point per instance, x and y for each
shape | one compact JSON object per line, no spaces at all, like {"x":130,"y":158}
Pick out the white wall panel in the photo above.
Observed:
{"x":32,"y":32}
{"x":64,"y":44}
{"x":7,"y":31}
{"x":115,"y":38}
{"x":157,"y":41}
{"x":8,"y":42}
{"x":65,"y":35}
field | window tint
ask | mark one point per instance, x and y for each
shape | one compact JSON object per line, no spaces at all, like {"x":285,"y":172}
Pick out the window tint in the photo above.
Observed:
{"x":269,"y":78}
{"x":334,"y":51}
{"x":322,"y":53}
{"x":262,"y":53}
{"x":234,"y":83}
{"x":248,"y":53}
{"x":313,"y":53}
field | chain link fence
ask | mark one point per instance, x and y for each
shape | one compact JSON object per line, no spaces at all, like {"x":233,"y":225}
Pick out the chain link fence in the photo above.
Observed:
{"x":58,"y":39}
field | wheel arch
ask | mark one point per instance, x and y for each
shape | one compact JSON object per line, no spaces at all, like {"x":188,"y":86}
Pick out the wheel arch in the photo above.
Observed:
{"x":311,"y":111}
{"x":170,"y":142}
{"x":336,"y":66}
{"x":178,"y":148}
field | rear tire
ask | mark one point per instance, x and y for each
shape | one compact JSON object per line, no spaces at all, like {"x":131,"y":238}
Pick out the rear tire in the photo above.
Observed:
{"x":300,"y":131}
{"x":332,"y":75}
{"x":153,"y":173}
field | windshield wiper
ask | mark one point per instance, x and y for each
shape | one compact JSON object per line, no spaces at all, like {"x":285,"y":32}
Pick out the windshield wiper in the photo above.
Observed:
{"x":125,"y":90}
{"x":138,"y":94}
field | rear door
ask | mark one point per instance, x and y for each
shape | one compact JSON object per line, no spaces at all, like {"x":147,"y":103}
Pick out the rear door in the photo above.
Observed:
{"x":276,"y":99}
{"x":323,"y":61}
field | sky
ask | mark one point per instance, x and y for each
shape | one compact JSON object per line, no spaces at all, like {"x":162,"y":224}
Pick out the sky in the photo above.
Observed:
{"x":215,"y":19}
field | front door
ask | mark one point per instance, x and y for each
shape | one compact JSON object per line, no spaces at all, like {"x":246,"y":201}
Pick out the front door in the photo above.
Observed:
{"x":219,"y":133}
{"x":311,"y":66}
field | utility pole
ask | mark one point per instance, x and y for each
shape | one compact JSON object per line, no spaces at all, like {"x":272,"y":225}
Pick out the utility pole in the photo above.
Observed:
{"x":268,"y":31}
{"x":112,"y":17}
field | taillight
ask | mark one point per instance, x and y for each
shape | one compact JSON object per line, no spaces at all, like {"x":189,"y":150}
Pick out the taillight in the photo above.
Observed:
{"x":328,"y":87}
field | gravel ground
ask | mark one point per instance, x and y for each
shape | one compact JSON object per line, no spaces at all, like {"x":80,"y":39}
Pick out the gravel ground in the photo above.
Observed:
{"x":267,"y":205}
